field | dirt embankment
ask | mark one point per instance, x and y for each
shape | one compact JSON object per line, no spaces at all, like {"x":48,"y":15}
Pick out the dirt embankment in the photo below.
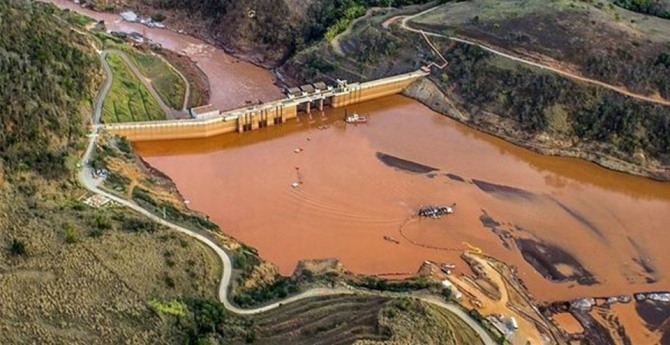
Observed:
{"x":426,"y":92}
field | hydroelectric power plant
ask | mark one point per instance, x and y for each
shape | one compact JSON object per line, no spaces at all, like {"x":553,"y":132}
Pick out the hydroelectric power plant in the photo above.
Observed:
{"x":256,"y":116}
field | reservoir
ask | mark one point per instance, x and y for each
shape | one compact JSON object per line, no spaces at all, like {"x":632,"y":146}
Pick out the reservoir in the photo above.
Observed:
{"x":571,"y":228}
{"x":558,"y":220}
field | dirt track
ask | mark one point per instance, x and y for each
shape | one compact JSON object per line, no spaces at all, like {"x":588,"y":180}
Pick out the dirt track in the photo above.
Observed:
{"x":404,"y":24}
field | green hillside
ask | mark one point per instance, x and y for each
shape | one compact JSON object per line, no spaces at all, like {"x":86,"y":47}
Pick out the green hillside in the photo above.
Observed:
{"x":47,"y":75}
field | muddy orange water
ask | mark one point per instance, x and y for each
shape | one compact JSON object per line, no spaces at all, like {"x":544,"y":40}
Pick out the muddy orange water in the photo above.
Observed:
{"x":615,"y":225}
{"x":232,"y":81}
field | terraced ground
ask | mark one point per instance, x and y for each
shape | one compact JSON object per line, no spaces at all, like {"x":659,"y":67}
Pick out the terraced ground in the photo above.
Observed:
{"x":128,"y":100}
{"x":361,"y":320}
{"x":323,"y":321}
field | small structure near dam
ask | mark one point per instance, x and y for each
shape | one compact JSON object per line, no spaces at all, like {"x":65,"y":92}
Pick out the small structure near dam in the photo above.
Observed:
{"x":251,"y":117}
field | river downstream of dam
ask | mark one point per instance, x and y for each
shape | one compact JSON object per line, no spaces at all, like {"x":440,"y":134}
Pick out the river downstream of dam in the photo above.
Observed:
{"x":594,"y":231}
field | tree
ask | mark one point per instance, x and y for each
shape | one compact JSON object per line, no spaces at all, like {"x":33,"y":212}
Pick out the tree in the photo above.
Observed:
{"x":17,"y":247}
{"x":158,"y":17}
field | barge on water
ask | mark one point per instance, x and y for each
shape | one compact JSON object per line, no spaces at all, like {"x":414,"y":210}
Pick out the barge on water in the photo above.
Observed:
{"x":435,"y":211}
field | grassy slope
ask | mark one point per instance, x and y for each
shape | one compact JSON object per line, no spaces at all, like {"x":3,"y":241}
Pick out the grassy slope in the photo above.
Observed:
{"x":199,"y":84}
{"x":128,"y":100}
{"x":167,"y":83}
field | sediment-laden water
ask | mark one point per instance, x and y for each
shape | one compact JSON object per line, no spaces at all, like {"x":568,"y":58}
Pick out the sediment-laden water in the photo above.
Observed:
{"x":232,"y":82}
{"x":594,"y":231}
{"x":572,"y":228}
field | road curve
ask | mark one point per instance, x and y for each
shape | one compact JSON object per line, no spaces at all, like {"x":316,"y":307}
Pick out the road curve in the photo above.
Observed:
{"x":404,"y":24}
{"x":85,"y":177}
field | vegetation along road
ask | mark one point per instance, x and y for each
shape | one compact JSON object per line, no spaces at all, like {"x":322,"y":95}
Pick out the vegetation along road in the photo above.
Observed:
{"x":86,"y":178}
{"x":404,"y":24}
{"x":171,"y":113}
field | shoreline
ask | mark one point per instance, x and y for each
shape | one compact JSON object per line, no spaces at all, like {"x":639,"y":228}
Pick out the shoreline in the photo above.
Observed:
{"x":427,"y":93}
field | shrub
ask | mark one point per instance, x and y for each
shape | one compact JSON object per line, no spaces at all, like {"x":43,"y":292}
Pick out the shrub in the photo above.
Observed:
{"x":280,"y":288}
{"x":70,"y":233}
{"x":447,"y":294}
{"x":169,"y":281}
{"x":124,"y":145}
{"x":17,"y":247}
{"x":174,"y":307}
{"x":139,"y":225}
{"x":102,"y":222}
{"x":158,"y":17}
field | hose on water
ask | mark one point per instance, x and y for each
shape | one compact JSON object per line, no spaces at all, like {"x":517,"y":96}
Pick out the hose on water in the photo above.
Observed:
{"x":406,"y":222}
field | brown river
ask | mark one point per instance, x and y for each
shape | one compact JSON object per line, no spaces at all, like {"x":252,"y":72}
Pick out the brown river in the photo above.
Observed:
{"x":593,"y":231}
{"x":232,"y":81}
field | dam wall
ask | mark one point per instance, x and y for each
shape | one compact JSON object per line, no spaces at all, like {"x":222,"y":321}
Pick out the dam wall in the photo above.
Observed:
{"x":202,"y":128}
{"x":362,"y":92}
{"x":263,"y":115}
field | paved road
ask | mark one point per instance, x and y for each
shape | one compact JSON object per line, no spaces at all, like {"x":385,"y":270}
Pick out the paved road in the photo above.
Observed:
{"x":85,"y":177}
{"x":621,"y":90}
{"x":100,"y":98}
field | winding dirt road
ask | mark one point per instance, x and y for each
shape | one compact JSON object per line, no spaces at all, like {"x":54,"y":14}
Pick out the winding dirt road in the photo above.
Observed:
{"x":86,"y":178}
{"x":404,"y":24}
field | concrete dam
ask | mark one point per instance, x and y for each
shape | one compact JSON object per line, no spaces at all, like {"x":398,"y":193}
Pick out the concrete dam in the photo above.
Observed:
{"x":252,"y":117}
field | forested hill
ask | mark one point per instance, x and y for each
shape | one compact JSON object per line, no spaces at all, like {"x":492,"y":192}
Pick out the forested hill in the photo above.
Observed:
{"x":267,"y":31}
{"x":46,"y":76}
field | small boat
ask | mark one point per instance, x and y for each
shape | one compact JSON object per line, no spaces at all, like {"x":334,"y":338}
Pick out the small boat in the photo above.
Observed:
{"x":355,"y":118}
